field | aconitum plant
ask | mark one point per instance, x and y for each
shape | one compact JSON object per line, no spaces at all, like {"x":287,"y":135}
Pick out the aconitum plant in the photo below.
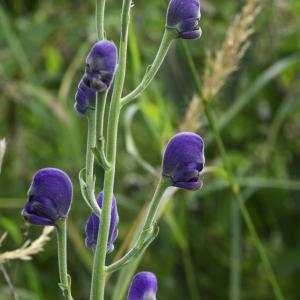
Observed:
{"x":93,"y":224}
{"x":143,"y":287}
{"x":50,"y":194}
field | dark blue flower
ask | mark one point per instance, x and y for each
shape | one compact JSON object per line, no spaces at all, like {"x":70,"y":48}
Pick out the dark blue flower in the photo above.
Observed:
{"x":143,"y":287}
{"x":184,"y":15}
{"x":100,"y":66}
{"x":92,"y":226}
{"x":49,"y":197}
{"x":183,"y":160}
{"x":85,"y":98}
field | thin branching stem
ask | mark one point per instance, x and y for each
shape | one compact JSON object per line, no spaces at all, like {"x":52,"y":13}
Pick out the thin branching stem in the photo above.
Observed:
{"x":9,"y":283}
{"x":100,"y":12}
{"x":90,"y":159}
{"x":153,"y":68}
{"x":99,"y":272}
{"x":61,"y":229}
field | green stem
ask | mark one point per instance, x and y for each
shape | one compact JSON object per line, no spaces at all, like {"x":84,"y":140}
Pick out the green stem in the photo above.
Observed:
{"x":147,"y":232}
{"x":135,"y":252}
{"x":235,"y":257}
{"x":64,"y":284}
{"x":91,"y":142}
{"x":100,"y":11}
{"x":13,"y":291}
{"x":153,"y":207}
{"x":152,"y":69}
{"x":142,"y":232}
{"x":238,"y":197}
{"x":89,"y":164}
{"x":98,"y":275}
{"x":100,"y":112}
{"x":190,"y":276}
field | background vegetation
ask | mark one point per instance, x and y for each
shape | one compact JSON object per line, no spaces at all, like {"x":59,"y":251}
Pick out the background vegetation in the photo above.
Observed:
{"x":42,"y":49}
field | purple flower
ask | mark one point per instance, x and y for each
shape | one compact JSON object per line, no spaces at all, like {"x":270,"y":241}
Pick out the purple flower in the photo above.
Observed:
{"x":49,"y":197}
{"x":85,"y":98}
{"x":183,"y":160}
{"x":92,"y":226}
{"x":184,"y":15}
{"x":100,"y":66}
{"x":143,"y":287}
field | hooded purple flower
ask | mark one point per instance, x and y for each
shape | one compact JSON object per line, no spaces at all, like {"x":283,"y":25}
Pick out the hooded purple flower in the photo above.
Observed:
{"x":100,"y":66}
{"x":92,"y":226}
{"x":49,"y":197}
{"x":184,"y":15}
{"x":85,"y":98}
{"x":143,"y":287}
{"x":183,"y":160}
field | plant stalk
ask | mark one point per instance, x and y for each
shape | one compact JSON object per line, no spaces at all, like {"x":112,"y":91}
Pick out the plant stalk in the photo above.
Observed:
{"x":99,"y":273}
{"x":147,"y":232}
{"x":100,"y":113}
{"x":151,"y":71}
{"x":89,"y":164}
{"x":100,"y":12}
{"x":61,"y":229}
{"x":127,"y":272}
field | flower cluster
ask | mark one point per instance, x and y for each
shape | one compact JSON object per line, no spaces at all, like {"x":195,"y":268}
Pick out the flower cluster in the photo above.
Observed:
{"x":50,"y":194}
{"x":49,"y":197}
{"x":92,"y":226}
{"x":184,"y":15}
{"x":99,"y":72}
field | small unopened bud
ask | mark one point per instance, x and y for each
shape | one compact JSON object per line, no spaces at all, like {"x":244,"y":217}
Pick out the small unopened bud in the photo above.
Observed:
{"x":184,"y":15}
{"x":143,"y":287}
{"x":184,"y":160}
{"x":100,"y":66}
{"x":49,"y":197}
{"x":92,"y":226}
{"x":85,"y":98}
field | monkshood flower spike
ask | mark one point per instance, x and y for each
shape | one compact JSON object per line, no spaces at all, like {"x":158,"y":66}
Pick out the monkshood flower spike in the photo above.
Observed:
{"x":92,"y":226}
{"x":85,"y":98}
{"x":49,"y":197}
{"x":143,"y":287}
{"x":184,"y":15}
{"x":184,"y":160}
{"x":100,"y":66}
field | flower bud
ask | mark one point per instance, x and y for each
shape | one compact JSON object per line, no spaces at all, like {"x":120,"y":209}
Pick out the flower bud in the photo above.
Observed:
{"x":85,"y":98}
{"x":92,"y":225}
{"x":100,"y":66}
{"x":49,"y":197}
{"x":183,"y":160}
{"x":184,"y":15}
{"x":143,"y":287}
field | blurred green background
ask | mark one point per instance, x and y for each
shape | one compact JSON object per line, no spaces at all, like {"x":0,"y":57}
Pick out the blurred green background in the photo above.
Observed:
{"x":43,"y":45}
